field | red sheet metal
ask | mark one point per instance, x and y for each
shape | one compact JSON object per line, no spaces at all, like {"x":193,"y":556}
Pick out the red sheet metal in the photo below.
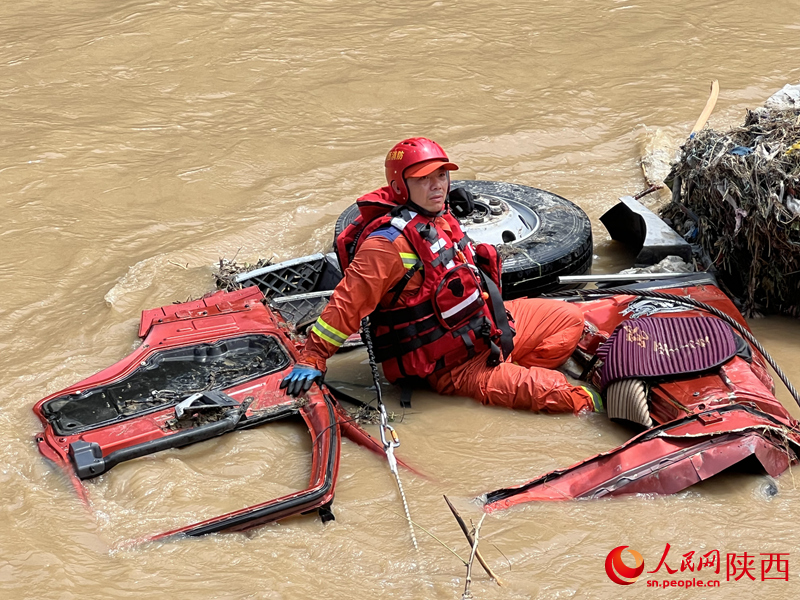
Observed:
{"x":666,"y":459}
{"x":217,"y":317}
{"x":706,"y":422}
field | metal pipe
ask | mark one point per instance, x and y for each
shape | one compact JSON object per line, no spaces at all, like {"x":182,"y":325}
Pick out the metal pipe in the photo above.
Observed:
{"x":565,"y":279}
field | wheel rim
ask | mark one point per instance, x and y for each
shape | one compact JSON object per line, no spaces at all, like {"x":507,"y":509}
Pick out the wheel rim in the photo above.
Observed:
{"x":498,"y":220}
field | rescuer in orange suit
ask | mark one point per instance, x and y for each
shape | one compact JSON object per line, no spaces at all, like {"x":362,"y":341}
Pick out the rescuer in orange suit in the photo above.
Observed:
{"x":434,"y":302}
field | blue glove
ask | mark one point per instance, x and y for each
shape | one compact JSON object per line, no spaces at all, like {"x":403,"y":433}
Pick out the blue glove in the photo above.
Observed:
{"x":300,"y":379}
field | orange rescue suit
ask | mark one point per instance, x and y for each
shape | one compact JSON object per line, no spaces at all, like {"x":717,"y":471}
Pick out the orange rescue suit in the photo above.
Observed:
{"x":547,"y":333}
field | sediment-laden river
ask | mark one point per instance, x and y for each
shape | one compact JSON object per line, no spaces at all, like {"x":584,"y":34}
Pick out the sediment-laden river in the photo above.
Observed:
{"x":140,"y":141}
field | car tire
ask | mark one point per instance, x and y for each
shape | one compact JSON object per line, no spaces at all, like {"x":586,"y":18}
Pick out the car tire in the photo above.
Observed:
{"x":540,"y":235}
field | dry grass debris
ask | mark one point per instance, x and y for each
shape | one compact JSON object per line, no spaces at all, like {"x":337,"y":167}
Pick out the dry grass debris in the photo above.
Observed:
{"x":225,"y":275}
{"x":738,"y":197}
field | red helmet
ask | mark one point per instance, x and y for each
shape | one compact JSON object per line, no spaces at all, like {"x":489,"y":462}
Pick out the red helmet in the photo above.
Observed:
{"x":425,"y":153}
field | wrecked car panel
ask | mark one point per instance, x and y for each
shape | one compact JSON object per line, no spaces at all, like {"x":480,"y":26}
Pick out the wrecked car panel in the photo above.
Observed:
{"x":665,"y":459}
{"x":704,"y":422}
{"x":204,"y":368}
{"x":213,"y":366}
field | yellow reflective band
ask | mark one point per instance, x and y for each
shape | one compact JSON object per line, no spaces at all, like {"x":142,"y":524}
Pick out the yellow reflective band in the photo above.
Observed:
{"x":321,"y":334}
{"x":328,"y":333}
{"x":409,"y":259}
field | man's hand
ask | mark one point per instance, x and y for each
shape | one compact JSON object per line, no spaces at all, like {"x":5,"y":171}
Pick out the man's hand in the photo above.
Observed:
{"x":300,"y":379}
{"x":462,"y":202}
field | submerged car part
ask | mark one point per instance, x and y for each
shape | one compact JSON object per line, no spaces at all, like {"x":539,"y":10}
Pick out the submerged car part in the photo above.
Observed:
{"x":632,"y":223}
{"x":298,"y":289}
{"x":666,"y":459}
{"x":626,"y":401}
{"x":705,"y":422}
{"x":205,"y":368}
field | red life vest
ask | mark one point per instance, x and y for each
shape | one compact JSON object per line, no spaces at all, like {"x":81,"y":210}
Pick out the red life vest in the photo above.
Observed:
{"x":370,"y":206}
{"x":457,"y":311}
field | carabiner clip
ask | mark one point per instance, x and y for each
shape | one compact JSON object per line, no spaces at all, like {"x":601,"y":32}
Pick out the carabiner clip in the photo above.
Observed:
{"x":394,"y":442}
{"x":389,"y":444}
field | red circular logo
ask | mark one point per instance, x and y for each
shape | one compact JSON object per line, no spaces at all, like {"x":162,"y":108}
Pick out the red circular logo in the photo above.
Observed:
{"x":618,"y":571}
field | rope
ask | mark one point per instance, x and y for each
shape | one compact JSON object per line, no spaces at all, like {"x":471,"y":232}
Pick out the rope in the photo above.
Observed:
{"x":388,"y":445}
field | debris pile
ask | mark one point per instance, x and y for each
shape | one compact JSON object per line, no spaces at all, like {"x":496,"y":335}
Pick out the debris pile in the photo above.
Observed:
{"x":225,"y":276}
{"x":736,"y":194}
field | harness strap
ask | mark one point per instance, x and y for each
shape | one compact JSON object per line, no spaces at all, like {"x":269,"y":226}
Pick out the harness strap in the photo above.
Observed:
{"x":402,"y":217}
{"x":404,"y":315}
{"x":468,"y":343}
{"x":444,"y":257}
{"x":494,"y":355}
{"x":409,"y":331}
{"x":427,"y":231}
{"x":498,"y":309}
{"x":395,"y":349}
{"x":401,"y":285}
{"x":405,"y":395}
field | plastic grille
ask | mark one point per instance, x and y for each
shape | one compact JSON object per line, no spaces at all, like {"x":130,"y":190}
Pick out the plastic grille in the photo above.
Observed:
{"x":301,"y":310}
{"x":288,"y":280}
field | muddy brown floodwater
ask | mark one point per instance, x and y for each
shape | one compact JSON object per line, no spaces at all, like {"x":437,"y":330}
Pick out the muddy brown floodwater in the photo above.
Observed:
{"x":142,"y":140}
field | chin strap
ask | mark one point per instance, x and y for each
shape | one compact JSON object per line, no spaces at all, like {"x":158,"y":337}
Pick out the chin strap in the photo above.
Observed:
{"x":418,"y":209}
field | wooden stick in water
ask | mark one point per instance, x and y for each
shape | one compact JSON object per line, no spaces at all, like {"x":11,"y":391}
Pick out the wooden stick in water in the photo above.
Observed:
{"x":712,"y":100}
{"x":471,"y":541}
{"x":467,"y":594}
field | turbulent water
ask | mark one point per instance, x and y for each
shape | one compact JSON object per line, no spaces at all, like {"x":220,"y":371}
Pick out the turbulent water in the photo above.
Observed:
{"x":143,"y":140}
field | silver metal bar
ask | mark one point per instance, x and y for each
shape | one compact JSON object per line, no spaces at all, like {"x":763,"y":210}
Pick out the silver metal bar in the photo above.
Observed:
{"x":564,"y":279}
{"x":308,"y":296}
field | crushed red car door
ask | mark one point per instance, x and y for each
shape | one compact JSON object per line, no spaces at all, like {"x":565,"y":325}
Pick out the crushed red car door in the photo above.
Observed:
{"x":204,"y":368}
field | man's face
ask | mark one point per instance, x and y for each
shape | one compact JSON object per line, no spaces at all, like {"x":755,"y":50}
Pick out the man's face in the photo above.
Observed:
{"x":429,"y":192}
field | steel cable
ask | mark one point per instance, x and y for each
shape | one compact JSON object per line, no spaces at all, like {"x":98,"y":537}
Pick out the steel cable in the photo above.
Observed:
{"x":691,"y":302}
